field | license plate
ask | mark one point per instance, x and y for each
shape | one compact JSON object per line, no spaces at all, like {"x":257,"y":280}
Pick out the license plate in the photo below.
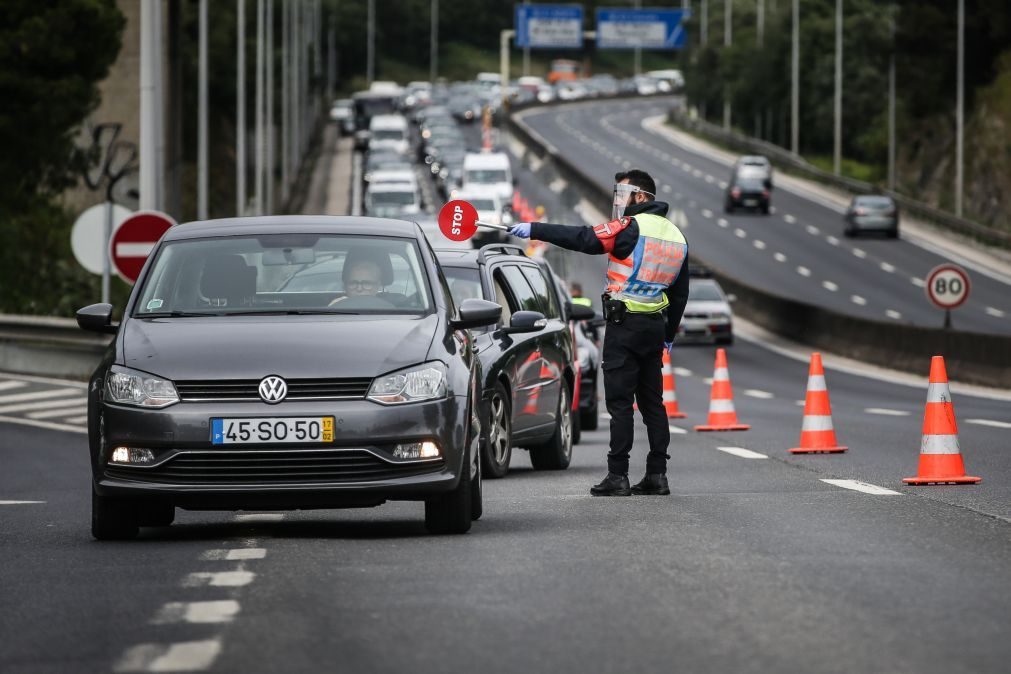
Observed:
{"x":750,"y":202}
{"x":271,"y":430}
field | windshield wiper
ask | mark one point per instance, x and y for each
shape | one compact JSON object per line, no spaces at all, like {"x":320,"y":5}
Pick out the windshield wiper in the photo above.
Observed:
{"x":176,"y":314}
{"x":292,"y":312}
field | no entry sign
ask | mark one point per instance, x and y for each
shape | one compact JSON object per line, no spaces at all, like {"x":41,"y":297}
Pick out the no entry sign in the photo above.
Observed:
{"x":948,"y":286}
{"x":133,"y":241}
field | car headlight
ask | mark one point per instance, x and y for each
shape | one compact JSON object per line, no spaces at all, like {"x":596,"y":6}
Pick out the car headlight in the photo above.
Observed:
{"x":132,"y":387}
{"x":419,"y":382}
{"x":583,"y":354}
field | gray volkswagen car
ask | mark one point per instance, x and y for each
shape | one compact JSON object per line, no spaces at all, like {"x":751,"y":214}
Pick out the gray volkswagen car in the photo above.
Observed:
{"x":286,"y":363}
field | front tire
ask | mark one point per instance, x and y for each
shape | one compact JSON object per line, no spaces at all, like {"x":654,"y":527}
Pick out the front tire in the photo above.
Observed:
{"x":112,"y":519}
{"x":556,"y":453}
{"x":450,"y":513}
{"x":496,"y":452}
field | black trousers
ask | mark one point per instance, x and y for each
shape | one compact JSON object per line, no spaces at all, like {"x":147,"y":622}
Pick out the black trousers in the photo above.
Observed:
{"x":632,"y":365}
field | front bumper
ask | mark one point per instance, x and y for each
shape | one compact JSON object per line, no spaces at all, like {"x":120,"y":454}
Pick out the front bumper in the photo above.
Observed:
{"x":704,"y":331}
{"x":356,"y":469}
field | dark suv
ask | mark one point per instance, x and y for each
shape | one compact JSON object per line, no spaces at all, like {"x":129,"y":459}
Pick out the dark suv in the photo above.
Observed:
{"x":527,"y":359}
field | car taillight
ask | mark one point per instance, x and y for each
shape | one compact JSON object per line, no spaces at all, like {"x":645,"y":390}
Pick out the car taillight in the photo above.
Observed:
{"x":860,"y":211}
{"x":765,"y":193}
{"x":736,"y":193}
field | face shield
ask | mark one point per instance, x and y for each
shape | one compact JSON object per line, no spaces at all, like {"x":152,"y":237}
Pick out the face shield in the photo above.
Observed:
{"x":622,"y":198}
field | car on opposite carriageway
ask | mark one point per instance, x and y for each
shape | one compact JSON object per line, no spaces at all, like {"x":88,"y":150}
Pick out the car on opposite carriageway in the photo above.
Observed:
{"x":707,"y":318}
{"x":287,"y":362}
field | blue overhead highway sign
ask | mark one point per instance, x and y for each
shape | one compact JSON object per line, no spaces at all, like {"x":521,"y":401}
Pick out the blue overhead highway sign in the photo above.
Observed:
{"x":640,"y":28}
{"x":549,"y":26}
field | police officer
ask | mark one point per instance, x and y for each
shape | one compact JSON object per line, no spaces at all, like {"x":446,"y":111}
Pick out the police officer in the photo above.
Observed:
{"x":645,"y":297}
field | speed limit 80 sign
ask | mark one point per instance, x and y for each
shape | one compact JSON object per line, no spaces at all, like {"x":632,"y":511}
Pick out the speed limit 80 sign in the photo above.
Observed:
{"x":948,"y":286}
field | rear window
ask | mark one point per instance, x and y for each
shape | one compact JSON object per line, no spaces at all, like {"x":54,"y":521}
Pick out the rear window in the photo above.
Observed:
{"x":704,"y":291}
{"x":874,"y":202}
{"x":487,"y":176}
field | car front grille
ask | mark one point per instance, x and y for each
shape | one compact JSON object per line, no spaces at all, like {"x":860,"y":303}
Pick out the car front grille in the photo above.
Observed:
{"x":696,"y":315}
{"x":248,"y":389}
{"x":259,"y":467}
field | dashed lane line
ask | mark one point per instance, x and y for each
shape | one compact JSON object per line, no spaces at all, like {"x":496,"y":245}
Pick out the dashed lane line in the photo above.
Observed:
{"x":812,"y":230}
{"x":706,"y":213}
{"x":859,"y":252}
{"x":830,"y":286}
{"x":234,"y":554}
{"x":740,"y":233}
{"x":677,"y":431}
{"x":832,"y":240}
{"x":858,"y":300}
{"x":996,"y":313}
{"x":857,"y":485}
{"x":893,"y":314}
{"x":186,"y":656}
{"x":682,"y":372}
{"x":779,"y":257}
{"x":722,"y":222}
{"x":885,"y":267}
{"x":789,"y":219}
{"x":759,"y":244}
{"x":3,"y":503}
{"x":989,"y":422}
{"x":803,"y":271}
{"x":259,"y":517}
{"x":886,"y":412}
{"x":197,"y":612}
{"x":236,"y":578}
{"x":758,"y":393}
{"x":918,"y":282}
{"x":742,"y":452}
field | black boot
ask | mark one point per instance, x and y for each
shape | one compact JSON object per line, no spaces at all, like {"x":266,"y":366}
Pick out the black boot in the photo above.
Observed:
{"x":652,"y":485}
{"x":612,"y":485}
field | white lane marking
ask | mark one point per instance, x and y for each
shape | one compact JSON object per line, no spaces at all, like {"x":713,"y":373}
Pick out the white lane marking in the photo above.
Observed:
{"x":811,"y":229}
{"x":691,"y":203}
{"x":48,"y":424}
{"x":19,"y":502}
{"x":772,"y":210}
{"x":44,"y":404}
{"x":789,"y":219}
{"x":828,"y":285}
{"x":185,"y":656}
{"x":997,"y":313}
{"x":723,"y":184}
{"x":859,"y":301}
{"x":236,"y":578}
{"x":558,"y":185}
{"x":626,"y":165}
{"x":989,"y":422}
{"x":7,"y":385}
{"x":779,"y":257}
{"x":859,"y":252}
{"x":707,"y":381}
{"x":885,"y":412}
{"x":706,"y":213}
{"x":857,"y":485}
{"x":682,"y":372}
{"x":758,"y":393}
{"x":710,"y":179}
{"x":759,"y":244}
{"x":687,"y":167}
{"x":742,"y":452}
{"x":697,"y":173}
{"x":199,"y":612}
{"x":740,"y":233}
{"x":74,"y":411}
{"x":892,"y":313}
{"x":666,"y":188}
{"x":235,"y":554}
{"x":832,"y":240}
{"x":39,"y":395}
{"x":722,"y":222}
{"x":800,"y":403}
{"x":803,"y":271}
{"x":918,"y":282}
{"x":677,"y":431}
{"x":259,"y":517}
{"x":887,"y":267}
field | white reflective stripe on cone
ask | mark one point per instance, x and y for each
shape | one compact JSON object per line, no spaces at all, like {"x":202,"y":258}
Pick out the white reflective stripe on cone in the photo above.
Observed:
{"x":939,"y":444}
{"x":721,"y":374}
{"x":816,"y":382}
{"x":669,"y":397}
{"x":816,"y":422}
{"x":721,"y":405}
{"x":938,"y":393}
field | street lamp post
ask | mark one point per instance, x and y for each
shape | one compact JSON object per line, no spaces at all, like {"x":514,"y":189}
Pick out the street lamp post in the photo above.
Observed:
{"x":202,"y":116}
{"x":269,"y":102}
{"x":260,"y":149}
{"x":370,"y":55}
{"x":433,"y":58}
{"x":891,"y":108}
{"x":728,"y":41}
{"x":795,"y":82}
{"x":240,"y":109}
{"x":837,"y":127}
{"x":960,"y":111}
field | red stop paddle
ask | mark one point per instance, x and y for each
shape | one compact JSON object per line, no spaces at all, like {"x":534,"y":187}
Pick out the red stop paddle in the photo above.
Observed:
{"x":458,"y":221}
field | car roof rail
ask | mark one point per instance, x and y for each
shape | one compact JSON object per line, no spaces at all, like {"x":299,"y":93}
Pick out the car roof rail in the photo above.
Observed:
{"x":506,"y":248}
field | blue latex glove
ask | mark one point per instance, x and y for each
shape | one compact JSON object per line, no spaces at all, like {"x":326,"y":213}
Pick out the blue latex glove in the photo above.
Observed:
{"x":521,"y":229}
{"x":667,"y":346}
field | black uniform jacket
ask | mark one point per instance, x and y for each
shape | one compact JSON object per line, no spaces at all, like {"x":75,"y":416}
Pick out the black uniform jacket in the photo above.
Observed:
{"x":584,"y":240}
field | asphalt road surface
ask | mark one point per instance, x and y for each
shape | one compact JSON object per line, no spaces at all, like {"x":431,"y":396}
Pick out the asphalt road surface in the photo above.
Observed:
{"x":799,"y":251}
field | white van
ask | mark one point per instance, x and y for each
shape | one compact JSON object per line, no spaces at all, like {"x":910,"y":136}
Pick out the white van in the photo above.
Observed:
{"x":488,"y":170}
{"x":392,"y":200}
{"x":388,"y":132}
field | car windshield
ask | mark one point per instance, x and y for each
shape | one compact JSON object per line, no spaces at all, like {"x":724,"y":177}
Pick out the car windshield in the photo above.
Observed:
{"x":702,"y":291}
{"x":487,"y":176}
{"x":483,"y":204}
{"x":464,"y":283}
{"x":750,"y":185}
{"x":388,"y":134}
{"x":874,"y":202}
{"x":285,"y":273}
{"x":385,"y":199}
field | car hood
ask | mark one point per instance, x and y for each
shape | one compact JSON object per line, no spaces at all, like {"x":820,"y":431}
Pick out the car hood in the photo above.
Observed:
{"x":249,"y":347}
{"x":706,"y":307}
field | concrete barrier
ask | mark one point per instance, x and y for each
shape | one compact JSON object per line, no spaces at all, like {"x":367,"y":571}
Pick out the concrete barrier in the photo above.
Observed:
{"x":971,"y":357}
{"x":48,"y":346}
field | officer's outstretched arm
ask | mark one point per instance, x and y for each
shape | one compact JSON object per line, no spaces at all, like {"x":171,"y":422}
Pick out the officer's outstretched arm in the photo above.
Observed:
{"x":618,"y":237}
{"x":677,"y":296}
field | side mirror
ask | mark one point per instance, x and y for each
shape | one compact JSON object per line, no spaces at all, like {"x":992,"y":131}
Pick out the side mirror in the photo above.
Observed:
{"x":476,"y":313}
{"x":97,"y":318}
{"x":525,"y":321}
{"x":579,"y":312}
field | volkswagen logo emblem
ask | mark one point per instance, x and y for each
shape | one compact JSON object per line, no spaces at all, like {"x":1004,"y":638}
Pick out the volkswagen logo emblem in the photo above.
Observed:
{"x":273,"y":389}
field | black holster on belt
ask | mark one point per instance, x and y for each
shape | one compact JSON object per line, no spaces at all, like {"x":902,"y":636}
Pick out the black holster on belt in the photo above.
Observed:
{"x":614,"y":310}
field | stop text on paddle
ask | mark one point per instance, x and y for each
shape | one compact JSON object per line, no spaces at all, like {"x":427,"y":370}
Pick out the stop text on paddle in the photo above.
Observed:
{"x":458,"y":221}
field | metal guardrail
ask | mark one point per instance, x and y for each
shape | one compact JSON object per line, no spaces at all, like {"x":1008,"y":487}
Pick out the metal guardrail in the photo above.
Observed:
{"x":971,"y":357}
{"x":48,"y":346}
{"x":781,"y":157}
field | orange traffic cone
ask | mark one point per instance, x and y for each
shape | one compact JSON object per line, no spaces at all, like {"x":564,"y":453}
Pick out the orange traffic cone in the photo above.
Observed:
{"x":817,"y":436}
{"x":940,"y":455}
{"x":722,"y":415}
{"x":670,"y":390}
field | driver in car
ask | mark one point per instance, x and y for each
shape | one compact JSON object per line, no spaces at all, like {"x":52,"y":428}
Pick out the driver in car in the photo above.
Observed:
{"x":362,"y":278}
